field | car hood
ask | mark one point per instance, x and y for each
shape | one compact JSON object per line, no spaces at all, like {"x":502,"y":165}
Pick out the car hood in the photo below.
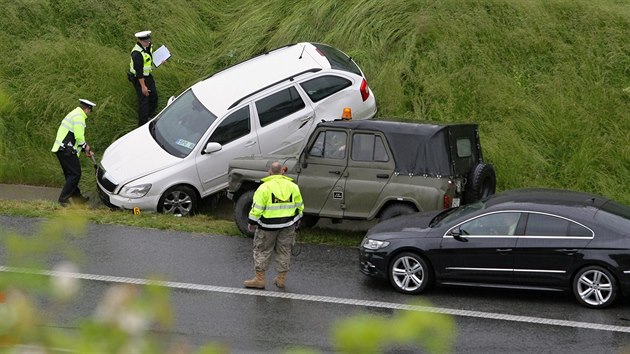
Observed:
{"x":134,"y":155}
{"x":417,"y":222}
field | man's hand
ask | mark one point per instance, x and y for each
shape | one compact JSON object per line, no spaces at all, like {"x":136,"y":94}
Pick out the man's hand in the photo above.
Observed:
{"x":145,"y":91}
{"x":88,"y":151}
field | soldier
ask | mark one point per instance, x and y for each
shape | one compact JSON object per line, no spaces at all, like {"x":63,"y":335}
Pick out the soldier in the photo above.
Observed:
{"x":275,"y":213}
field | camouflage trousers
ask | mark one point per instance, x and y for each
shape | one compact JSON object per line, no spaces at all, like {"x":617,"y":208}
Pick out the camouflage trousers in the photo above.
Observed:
{"x":279,"y":242}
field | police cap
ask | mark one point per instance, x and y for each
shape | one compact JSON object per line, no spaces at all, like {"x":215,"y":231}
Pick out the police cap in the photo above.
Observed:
{"x":87,"y":102}
{"x":143,"y":35}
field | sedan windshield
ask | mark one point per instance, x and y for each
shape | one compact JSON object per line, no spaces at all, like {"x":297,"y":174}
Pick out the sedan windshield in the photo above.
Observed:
{"x":456,"y":213}
{"x":181,"y":125}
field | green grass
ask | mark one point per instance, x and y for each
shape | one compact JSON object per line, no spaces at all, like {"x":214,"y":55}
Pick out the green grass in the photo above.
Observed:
{"x":544,"y":80}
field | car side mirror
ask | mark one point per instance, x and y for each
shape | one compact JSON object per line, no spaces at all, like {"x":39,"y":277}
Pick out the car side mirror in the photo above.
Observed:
{"x":457,"y":235}
{"x":212,"y":147}
{"x":170,"y":100}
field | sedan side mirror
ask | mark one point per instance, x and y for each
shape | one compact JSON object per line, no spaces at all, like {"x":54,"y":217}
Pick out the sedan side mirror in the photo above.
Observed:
{"x":212,"y":147}
{"x":457,"y":234}
{"x":170,"y":100}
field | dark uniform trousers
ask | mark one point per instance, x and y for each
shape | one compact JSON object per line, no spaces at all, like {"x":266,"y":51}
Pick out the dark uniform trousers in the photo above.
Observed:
{"x":72,"y":172}
{"x":146,"y":104}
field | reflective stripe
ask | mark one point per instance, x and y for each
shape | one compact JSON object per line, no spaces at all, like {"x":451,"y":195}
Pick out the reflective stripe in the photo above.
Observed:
{"x":279,"y":226}
{"x":281,"y":207}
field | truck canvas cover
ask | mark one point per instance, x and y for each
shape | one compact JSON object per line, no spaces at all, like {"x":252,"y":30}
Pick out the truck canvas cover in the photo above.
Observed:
{"x":418,"y":149}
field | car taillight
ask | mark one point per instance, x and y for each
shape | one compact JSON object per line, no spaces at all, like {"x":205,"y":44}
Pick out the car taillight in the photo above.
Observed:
{"x":365,"y":90}
{"x":447,"y":201}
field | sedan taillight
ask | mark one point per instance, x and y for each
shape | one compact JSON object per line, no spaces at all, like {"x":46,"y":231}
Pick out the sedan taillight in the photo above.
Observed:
{"x":447,"y":201}
{"x":365,"y":90}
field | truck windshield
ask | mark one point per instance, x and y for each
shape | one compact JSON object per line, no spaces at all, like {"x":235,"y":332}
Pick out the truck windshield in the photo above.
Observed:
{"x":181,"y":125}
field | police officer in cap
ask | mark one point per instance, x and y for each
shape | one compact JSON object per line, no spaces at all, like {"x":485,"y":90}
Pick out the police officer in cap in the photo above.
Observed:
{"x":69,"y":144}
{"x":140,"y":68}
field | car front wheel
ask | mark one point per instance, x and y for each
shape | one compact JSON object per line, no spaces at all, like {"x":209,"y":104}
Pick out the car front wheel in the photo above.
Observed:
{"x":409,"y":273}
{"x":595,"y":287}
{"x":178,"y":200}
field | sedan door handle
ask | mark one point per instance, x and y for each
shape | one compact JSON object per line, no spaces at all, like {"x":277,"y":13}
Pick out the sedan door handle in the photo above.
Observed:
{"x":250,"y":143}
{"x":382,"y":175}
{"x":504,"y":250}
{"x":335,"y":172}
{"x":569,"y":251}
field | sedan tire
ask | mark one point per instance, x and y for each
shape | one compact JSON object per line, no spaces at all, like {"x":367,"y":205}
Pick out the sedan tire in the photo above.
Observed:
{"x":178,"y":200}
{"x":409,"y":273}
{"x":595,"y":287}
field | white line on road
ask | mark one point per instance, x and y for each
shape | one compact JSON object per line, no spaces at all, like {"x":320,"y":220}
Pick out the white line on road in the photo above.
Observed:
{"x":325,"y":299}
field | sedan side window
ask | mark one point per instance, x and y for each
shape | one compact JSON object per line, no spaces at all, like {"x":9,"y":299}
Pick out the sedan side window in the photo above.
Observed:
{"x":324,"y":86}
{"x":500,"y":224}
{"x":233,"y":127}
{"x":548,"y":225}
{"x":279,"y":105}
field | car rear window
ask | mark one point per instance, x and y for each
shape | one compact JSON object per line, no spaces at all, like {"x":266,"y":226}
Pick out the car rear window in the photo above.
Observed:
{"x":338,"y":60}
{"x":614,"y":216}
{"x":321,"y":87}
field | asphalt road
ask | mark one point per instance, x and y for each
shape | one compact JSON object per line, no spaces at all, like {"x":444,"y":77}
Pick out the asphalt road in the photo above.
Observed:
{"x":206,"y":273}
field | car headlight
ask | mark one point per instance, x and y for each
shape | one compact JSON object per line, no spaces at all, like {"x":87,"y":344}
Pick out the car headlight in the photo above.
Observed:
{"x":374,"y":244}
{"x":138,"y":191}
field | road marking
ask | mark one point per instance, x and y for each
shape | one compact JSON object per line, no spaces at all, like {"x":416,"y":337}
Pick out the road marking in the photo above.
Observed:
{"x":324,"y":299}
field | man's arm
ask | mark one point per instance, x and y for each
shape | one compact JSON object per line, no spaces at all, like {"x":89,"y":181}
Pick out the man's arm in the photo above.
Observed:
{"x":138,"y":66}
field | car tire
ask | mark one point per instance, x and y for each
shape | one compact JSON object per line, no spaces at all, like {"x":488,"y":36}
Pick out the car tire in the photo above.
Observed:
{"x":595,"y":287}
{"x":409,"y":273}
{"x":178,"y":200}
{"x":394,"y":210}
{"x":308,"y":221}
{"x":241,"y":212}
{"x":481,"y":183}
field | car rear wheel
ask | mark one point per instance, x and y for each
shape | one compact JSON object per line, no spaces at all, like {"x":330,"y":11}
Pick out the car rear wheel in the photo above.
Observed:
{"x":178,"y":200}
{"x":595,"y":287}
{"x":481,"y":183}
{"x":241,"y":212}
{"x":394,"y":210}
{"x":409,"y":273}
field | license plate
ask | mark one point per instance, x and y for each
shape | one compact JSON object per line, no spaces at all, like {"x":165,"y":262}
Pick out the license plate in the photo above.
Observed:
{"x":455,"y":203}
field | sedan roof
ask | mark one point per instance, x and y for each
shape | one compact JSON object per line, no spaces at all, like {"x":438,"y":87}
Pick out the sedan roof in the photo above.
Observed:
{"x":547,"y":196}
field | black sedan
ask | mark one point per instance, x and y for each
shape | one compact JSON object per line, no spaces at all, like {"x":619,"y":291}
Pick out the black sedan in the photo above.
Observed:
{"x":542,"y":239}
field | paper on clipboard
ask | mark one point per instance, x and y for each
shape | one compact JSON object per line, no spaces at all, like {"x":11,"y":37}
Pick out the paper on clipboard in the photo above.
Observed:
{"x":160,"y":55}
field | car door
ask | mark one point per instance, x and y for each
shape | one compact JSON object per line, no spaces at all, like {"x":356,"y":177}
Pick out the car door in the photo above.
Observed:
{"x":369,"y":169}
{"x":237,"y":138}
{"x":321,"y":175}
{"x":549,"y":246}
{"x":480,"y":250}
{"x":284,"y":119}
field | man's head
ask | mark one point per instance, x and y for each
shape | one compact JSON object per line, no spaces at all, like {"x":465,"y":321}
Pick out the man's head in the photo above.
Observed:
{"x":86,"y":105}
{"x":276,"y":169}
{"x":144,"y":37}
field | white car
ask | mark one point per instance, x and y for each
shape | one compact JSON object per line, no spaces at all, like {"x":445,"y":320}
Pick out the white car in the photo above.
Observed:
{"x":267,"y":103}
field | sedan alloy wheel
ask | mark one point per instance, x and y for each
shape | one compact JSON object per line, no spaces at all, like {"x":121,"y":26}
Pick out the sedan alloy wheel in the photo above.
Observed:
{"x":409,"y":273}
{"x":595,"y":287}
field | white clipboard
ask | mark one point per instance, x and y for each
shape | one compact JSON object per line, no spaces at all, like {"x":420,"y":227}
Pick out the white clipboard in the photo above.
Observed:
{"x":160,"y":55}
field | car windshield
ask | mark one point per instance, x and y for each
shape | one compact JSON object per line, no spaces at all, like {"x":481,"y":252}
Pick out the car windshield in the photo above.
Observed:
{"x":181,"y":125}
{"x":453,"y":214}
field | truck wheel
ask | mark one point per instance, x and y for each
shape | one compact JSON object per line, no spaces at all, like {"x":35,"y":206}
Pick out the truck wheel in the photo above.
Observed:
{"x":482,"y":182}
{"x":241,"y":212}
{"x":178,"y":200}
{"x":396,"y":210}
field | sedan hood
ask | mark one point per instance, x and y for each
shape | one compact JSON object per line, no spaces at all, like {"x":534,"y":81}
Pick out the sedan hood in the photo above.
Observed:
{"x":417,"y":221}
{"x":134,"y":155}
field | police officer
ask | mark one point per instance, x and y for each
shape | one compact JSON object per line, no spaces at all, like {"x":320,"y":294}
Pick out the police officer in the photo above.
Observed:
{"x":276,"y":211}
{"x":69,"y":143}
{"x":140,"y":68}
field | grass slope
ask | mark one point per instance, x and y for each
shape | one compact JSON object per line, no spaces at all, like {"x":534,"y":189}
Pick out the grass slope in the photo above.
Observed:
{"x":544,"y":79}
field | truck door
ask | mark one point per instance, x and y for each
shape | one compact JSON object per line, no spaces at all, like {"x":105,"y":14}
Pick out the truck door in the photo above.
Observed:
{"x":369,"y":169}
{"x":320,"y":178}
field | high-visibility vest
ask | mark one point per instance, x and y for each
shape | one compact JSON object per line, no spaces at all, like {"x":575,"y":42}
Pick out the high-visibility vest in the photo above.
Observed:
{"x":147,"y":59}
{"x":71,"y":132}
{"x":277,"y":203}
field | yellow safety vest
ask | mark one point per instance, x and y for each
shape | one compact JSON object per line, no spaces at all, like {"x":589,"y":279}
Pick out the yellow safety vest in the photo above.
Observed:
{"x":277,"y":203}
{"x":71,"y":132}
{"x":147,"y":58}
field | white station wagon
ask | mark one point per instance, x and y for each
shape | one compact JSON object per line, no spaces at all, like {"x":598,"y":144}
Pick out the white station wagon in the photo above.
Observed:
{"x":267,"y":103}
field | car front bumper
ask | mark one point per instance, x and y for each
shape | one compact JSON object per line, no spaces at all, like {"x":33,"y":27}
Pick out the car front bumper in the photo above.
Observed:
{"x":372,"y":264}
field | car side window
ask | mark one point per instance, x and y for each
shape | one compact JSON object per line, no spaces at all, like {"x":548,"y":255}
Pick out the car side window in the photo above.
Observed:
{"x":279,"y":105}
{"x":549,"y":225}
{"x":321,"y":87}
{"x":499,"y":224}
{"x":329,"y":144}
{"x":232,"y":127}
{"x":368,"y":147}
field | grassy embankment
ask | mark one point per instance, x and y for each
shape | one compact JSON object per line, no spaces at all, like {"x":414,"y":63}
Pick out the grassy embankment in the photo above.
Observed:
{"x":544,"y":80}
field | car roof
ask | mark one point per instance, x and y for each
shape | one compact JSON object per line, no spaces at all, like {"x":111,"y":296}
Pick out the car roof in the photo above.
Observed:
{"x":221,"y":90}
{"x":547,"y":196}
{"x":418,"y":148}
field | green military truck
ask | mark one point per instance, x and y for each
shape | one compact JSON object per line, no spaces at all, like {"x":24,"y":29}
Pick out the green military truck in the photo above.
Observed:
{"x":362,"y":170}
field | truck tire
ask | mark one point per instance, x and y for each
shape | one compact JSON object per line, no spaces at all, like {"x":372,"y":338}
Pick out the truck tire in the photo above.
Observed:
{"x":482,"y":182}
{"x":241,"y":212}
{"x":397,"y":209}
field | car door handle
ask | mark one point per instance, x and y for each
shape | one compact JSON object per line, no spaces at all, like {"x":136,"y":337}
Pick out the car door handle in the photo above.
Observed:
{"x":304,"y":121}
{"x":335,"y":172}
{"x":569,"y":251}
{"x":504,"y":250}
{"x":250,"y":143}
{"x":382,"y":175}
